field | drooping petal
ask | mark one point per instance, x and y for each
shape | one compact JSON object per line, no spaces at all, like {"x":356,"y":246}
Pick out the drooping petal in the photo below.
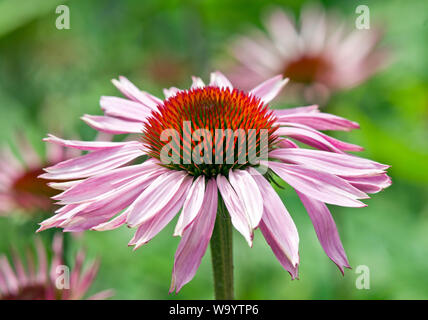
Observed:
{"x":316,"y":139}
{"x":149,"y":229}
{"x":251,"y":198}
{"x":334,"y":163}
{"x":319,"y":121}
{"x":191,"y":206}
{"x":326,"y":230}
{"x":195,"y":240}
{"x":154,"y":199}
{"x":277,"y":222}
{"x":94,"y":163}
{"x":101,"y":184}
{"x":269,"y":89}
{"x":370,"y":184}
{"x":236,"y":210}
{"x":322,"y":186}
{"x":285,"y":112}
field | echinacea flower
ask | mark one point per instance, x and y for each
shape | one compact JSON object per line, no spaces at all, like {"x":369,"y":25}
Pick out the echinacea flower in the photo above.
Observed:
{"x":20,"y":188}
{"x":23,"y":281}
{"x":106,"y":192}
{"x":319,"y":55}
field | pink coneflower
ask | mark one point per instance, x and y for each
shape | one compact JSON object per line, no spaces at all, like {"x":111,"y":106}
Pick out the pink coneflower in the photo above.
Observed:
{"x":44,"y":282}
{"x":319,"y":56}
{"x":106,"y":192}
{"x":20,"y":188}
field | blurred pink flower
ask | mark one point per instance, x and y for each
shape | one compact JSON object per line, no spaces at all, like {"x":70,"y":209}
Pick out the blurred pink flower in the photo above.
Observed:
{"x":20,"y":187}
{"x":106,"y":192}
{"x":20,"y":283}
{"x":320,"y":56}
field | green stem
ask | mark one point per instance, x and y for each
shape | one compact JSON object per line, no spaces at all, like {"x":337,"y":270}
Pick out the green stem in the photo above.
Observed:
{"x":222,"y":254}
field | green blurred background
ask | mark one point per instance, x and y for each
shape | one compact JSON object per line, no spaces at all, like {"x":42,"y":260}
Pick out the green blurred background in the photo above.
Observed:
{"x":50,"y":77}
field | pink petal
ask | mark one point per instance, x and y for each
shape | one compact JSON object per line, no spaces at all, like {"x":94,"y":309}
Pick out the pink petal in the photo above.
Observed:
{"x":124,"y":108}
{"x":84,"y":145}
{"x":322,"y":186}
{"x":370,"y":184}
{"x":326,"y":230}
{"x":64,"y":185}
{"x":156,"y":197}
{"x":285,"y":112}
{"x":319,"y":121}
{"x":191,"y":207}
{"x":111,"y":224}
{"x":235,"y":208}
{"x":334,"y":163}
{"x":316,"y":139}
{"x":195,"y":240}
{"x":93,"y":163}
{"x":11,"y":281}
{"x":130,"y":91}
{"x":170,"y":92}
{"x":152,"y":227}
{"x":277,"y":221}
{"x":113,"y":125}
{"x":247,"y":190}
{"x":101,"y":184}
{"x":269,"y":89}
{"x":197,"y":83}
{"x":104,"y":208}
{"x":219,"y":80}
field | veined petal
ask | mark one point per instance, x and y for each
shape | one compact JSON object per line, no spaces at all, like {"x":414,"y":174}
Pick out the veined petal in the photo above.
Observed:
{"x":104,"y":208}
{"x":84,"y":145}
{"x":154,"y":199}
{"x":124,"y":108}
{"x":319,"y":121}
{"x":149,"y":229}
{"x":278,"y":251}
{"x":236,"y":210}
{"x":316,"y":139}
{"x":334,"y":163}
{"x":269,"y":89}
{"x":277,"y":221}
{"x":192,"y":205}
{"x":113,"y":125}
{"x":247,"y":190}
{"x":101,"y":184}
{"x":370,"y":184}
{"x":111,"y":224}
{"x":64,"y":185}
{"x":195,"y":240}
{"x":285,"y":112}
{"x":322,"y":186}
{"x":93,"y":163}
{"x":130,"y":91}
{"x":326,"y":230}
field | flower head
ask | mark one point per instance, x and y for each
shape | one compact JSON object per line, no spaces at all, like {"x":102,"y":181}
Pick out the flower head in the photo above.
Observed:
{"x":318,"y":55}
{"x":190,"y":166}
{"x":21,"y":189}
{"x":20,"y":283}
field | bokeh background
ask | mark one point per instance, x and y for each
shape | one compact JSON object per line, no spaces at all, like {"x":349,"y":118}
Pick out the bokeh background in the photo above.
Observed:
{"x":50,"y":77}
